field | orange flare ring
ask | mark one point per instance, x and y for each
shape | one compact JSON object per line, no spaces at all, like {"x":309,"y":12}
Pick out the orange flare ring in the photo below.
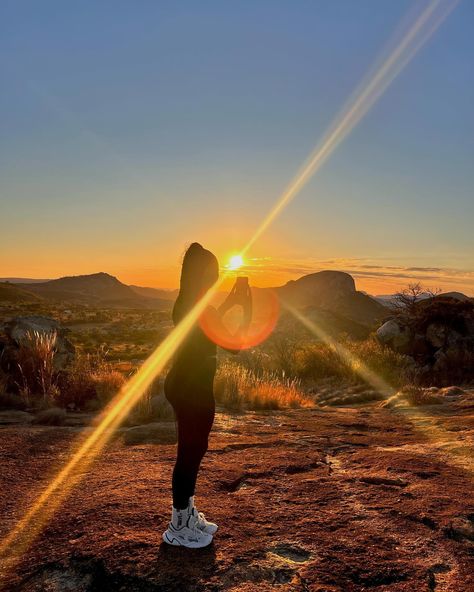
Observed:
{"x":260,"y":328}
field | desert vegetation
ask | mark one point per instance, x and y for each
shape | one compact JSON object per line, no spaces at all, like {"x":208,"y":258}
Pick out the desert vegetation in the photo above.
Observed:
{"x":238,"y":387}
{"x":84,"y":354}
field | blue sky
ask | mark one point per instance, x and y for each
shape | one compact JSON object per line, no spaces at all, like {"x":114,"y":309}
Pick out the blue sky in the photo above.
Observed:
{"x":129,"y":129}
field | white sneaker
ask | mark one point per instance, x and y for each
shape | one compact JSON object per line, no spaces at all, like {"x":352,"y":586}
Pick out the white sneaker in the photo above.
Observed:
{"x":201,"y":522}
{"x":187,"y":535}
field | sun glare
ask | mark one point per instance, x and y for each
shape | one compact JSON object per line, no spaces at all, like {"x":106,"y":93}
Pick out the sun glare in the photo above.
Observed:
{"x":235,"y":262}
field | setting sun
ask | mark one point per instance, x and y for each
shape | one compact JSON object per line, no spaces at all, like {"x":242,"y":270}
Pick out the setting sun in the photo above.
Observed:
{"x":235,"y":262}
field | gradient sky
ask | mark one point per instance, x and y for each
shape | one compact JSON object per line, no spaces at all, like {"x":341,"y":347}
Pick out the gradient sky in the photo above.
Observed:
{"x":130,"y":129}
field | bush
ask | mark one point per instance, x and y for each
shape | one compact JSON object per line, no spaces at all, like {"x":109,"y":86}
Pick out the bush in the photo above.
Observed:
{"x":417,"y":396}
{"x":50,"y":417}
{"x":11,"y":401}
{"x":414,"y":396}
{"x":347,"y":360}
{"x":236,"y":387}
{"x":90,"y":378}
{"x":152,"y":406}
{"x":107,"y":384}
{"x":36,"y":363}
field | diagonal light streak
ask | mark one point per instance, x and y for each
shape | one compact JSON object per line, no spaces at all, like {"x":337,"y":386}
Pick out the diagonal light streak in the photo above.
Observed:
{"x":86,"y":451}
{"x":418,"y":33}
{"x":439,"y":437}
{"x":25,"y":531}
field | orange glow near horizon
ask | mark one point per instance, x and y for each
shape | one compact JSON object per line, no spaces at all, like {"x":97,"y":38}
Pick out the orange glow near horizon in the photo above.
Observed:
{"x":371,"y":276}
{"x":90,"y":445}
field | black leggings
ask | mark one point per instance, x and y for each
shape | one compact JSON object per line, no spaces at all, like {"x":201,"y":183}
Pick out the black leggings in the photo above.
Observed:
{"x":194,"y":423}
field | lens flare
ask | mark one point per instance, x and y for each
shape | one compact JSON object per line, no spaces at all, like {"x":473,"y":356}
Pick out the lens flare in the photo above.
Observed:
{"x":264,"y":318}
{"x":87,"y":449}
{"x":400,"y":53}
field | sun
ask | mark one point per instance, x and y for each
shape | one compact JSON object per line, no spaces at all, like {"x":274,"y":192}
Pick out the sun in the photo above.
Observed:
{"x":235,"y":262}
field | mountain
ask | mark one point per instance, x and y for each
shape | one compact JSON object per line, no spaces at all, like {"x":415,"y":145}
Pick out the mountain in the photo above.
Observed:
{"x":328,"y":298}
{"x":16,"y":280}
{"x":333,"y":292}
{"x":14,"y":293}
{"x":97,"y":289}
{"x":155,"y":293}
{"x":390,"y":299}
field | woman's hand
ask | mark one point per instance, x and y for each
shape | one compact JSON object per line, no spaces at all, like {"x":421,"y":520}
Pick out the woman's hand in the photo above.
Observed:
{"x":235,"y":298}
{"x":212,"y":319}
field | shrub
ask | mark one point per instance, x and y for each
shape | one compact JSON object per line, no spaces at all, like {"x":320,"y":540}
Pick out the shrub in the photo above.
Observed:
{"x":11,"y":401}
{"x":387,"y":364}
{"x":53,"y":416}
{"x":418,"y":396}
{"x":90,"y":378}
{"x":36,"y":363}
{"x":347,"y":360}
{"x":318,"y":361}
{"x":107,"y":384}
{"x":236,"y":387}
{"x":415,"y":396}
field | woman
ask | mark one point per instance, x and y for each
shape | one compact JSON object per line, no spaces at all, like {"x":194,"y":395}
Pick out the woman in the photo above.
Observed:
{"x":189,"y":388}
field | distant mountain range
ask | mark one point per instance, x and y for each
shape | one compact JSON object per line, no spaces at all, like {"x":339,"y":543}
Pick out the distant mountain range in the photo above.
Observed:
{"x":97,"y":289}
{"x":16,"y":280}
{"x":329,"y":298}
{"x":390,"y":299}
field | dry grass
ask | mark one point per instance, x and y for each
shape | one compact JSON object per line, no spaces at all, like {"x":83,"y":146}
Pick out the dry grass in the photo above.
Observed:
{"x":319,"y":361}
{"x":53,"y":416}
{"x":91,"y":379}
{"x":417,"y":396}
{"x":236,"y":387}
{"x":36,"y":363}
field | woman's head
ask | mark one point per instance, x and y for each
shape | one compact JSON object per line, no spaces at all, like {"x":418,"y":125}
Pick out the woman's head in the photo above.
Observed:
{"x":199,"y":271}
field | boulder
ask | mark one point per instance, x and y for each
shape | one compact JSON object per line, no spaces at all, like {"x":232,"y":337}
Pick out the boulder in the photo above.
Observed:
{"x":395,"y":336}
{"x":438,"y":335}
{"x":162,"y":432}
{"x":14,"y":336}
{"x":161,"y":408}
{"x":17,"y":329}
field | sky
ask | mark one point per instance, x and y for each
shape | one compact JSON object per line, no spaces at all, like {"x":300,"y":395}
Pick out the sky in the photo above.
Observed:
{"x":129,"y":130}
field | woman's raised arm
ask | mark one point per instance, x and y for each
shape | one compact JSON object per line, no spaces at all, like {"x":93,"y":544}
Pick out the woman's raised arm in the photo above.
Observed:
{"x":211,"y":321}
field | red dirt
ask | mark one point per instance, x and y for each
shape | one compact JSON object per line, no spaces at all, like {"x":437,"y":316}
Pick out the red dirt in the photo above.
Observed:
{"x":315,"y":500}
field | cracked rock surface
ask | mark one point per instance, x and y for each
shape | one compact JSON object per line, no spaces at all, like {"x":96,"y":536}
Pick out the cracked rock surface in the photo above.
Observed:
{"x":315,"y":500}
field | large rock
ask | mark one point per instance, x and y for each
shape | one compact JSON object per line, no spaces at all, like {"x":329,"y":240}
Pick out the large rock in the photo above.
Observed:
{"x":18,"y":330}
{"x":332,"y":291}
{"x":438,"y":334}
{"x":318,"y":289}
{"x":395,"y":336}
{"x":14,"y":339}
{"x":161,"y":408}
{"x":160,"y":432}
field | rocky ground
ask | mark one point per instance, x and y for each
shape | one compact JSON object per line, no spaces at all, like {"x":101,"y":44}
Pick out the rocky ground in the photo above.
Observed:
{"x":315,"y":500}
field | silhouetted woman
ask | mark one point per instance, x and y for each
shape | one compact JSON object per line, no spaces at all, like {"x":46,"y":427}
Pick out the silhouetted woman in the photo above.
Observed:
{"x":189,"y":389}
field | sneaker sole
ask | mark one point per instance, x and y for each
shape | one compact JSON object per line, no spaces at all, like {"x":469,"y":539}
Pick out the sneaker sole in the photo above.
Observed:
{"x":172,"y":540}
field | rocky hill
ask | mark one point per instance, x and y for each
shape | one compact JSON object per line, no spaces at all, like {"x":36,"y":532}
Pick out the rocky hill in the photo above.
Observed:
{"x":155,"y":293}
{"x":97,"y":289}
{"x":14,"y":293}
{"x":332,"y":293}
{"x":328,"y":297}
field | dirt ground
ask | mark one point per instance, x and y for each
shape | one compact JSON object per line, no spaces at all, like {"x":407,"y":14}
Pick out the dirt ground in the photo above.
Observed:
{"x":315,"y":500}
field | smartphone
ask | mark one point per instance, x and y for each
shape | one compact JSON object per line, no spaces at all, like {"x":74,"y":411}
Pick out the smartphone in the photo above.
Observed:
{"x":241,"y":285}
